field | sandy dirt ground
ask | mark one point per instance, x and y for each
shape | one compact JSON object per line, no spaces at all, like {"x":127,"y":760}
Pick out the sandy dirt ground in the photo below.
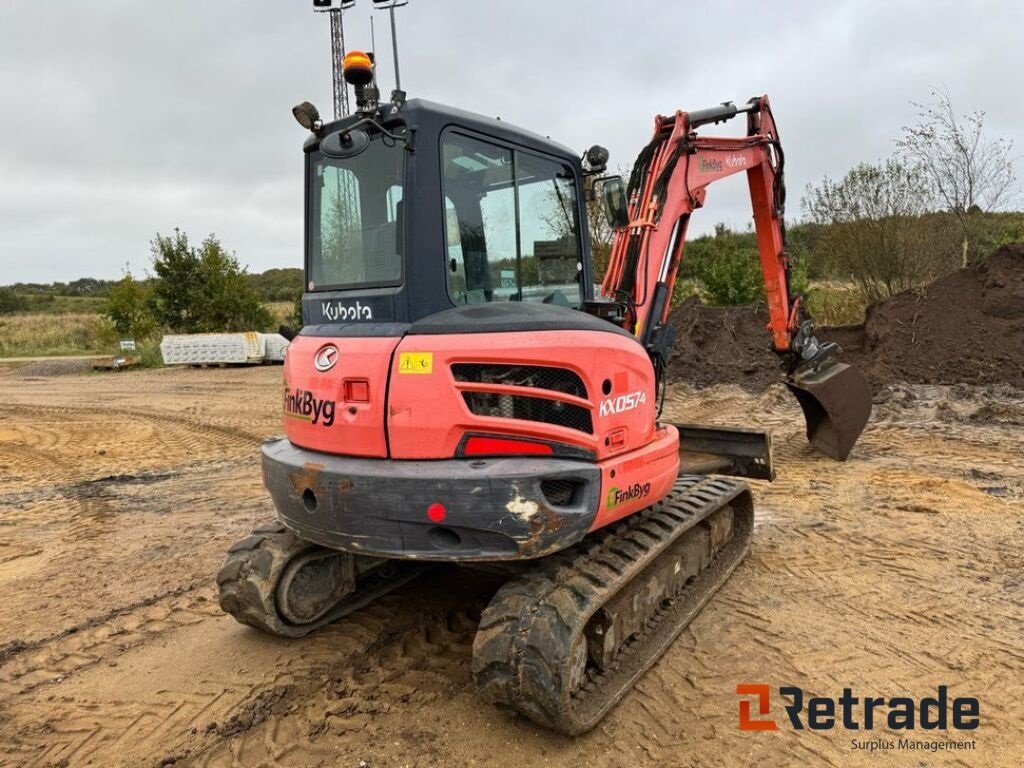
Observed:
{"x":893,"y":573}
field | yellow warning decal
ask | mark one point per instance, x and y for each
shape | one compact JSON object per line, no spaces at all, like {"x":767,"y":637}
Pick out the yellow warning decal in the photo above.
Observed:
{"x":416,"y":362}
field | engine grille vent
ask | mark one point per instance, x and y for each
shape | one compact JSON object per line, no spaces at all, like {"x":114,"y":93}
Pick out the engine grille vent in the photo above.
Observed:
{"x":529,"y":409}
{"x":536,"y":376}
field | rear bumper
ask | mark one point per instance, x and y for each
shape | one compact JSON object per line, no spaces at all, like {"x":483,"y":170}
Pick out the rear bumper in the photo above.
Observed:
{"x":495,"y":509}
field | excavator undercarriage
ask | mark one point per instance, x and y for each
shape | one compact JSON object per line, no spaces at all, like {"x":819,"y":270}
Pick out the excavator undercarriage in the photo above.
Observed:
{"x":560,"y":642}
{"x":276,"y":582}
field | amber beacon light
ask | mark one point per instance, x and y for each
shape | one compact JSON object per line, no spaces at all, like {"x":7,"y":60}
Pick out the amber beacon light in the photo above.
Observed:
{"x":357,"y":67}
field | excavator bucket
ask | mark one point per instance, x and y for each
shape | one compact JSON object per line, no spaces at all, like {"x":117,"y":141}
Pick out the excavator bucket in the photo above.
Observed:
{"x":836,"y":401}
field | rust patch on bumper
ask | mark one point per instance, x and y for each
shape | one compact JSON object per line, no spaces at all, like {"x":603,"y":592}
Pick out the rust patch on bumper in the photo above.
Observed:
{"x":542,"y":523}
{"x":307,"y":477}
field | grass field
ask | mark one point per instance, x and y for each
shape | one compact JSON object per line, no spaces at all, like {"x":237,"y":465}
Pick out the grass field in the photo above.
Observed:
{"x":834,"y":303}
{"x":62,"y":304}
{"x":44,"y":333}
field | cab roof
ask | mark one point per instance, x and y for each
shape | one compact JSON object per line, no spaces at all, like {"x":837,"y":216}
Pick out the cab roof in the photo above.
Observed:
{"x":432,"y":118}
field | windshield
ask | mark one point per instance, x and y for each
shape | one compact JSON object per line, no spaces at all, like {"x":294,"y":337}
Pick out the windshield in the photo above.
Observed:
{"x":355,"y":218}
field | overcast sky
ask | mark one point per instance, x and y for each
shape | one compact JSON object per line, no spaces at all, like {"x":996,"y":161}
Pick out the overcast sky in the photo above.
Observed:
{"x":119,"y":120}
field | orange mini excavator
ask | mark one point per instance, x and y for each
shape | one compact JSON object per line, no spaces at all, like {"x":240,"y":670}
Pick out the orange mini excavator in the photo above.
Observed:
{"x":461,"y":392}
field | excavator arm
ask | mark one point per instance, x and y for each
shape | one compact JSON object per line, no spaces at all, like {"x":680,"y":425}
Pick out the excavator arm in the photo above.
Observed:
{"x":668,"y":182}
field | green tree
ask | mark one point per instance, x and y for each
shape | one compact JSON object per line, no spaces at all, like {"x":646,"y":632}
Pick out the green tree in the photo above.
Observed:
{"x":88,"y":286}
{"x":129,"y":308}
{"x":203,"y":290}
{"x":727,"y":266}
{"x":281,"y":284}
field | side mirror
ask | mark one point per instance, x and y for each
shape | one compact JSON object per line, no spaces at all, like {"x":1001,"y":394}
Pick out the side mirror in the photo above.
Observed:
{"x":613,"y":198}
{"x":343,"y":144}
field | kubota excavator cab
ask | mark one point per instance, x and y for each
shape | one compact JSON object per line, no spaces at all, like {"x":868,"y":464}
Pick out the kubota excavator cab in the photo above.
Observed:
{"x":427,"y":207}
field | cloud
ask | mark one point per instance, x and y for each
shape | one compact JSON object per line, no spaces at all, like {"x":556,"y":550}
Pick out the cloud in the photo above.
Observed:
{"x":121,"y":119}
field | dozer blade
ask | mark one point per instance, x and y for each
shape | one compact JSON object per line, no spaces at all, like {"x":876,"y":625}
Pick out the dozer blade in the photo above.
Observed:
{"x":736,"y":451}
{"x":836,"y":401}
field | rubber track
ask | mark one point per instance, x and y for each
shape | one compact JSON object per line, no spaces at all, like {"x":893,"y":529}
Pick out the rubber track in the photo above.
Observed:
{"x":248,"y":582}
{"x":532,"y":630}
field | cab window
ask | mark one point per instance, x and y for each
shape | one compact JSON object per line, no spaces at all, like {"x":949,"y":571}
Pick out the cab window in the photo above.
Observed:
{"x":511,"y":224}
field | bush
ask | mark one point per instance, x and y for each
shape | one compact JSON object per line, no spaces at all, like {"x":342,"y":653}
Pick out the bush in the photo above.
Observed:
{"x":128,"y":307}
{"x":874,"y":228}
{"x":834,"y":303}
{"x":281,"y":284}
{"x":727,"y":266}
{"x":10,"y":302}
{"x":203,"y":290}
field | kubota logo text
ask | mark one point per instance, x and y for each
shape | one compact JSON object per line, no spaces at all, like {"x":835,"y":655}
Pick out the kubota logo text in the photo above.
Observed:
{"x":336,"y":310}
{"x":714,"y":165}
{"x":622,"y":403}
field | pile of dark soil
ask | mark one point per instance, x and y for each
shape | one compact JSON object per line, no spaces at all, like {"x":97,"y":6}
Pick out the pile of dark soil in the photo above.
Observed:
{"x":722,"y":345}
{"x":967,"y":327}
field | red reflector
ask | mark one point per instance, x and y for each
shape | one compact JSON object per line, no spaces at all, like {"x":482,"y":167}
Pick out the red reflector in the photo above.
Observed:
{"x":500,"y":446}
{"x":436,"y":512}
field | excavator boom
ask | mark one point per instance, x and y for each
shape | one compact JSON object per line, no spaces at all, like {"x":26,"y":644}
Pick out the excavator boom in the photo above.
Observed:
{"x":668,"y":182}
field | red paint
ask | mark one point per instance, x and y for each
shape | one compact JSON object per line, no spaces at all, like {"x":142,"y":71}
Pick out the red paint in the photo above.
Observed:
{"x":655,"y":466}
{"x":436,"y":512}
{"x":357,"y":391}
{"x":357,"y":428}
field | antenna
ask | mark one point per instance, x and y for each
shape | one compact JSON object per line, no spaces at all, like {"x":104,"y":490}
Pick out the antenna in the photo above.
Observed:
{"x":333,"y":9}
{"x":390,"y":6}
